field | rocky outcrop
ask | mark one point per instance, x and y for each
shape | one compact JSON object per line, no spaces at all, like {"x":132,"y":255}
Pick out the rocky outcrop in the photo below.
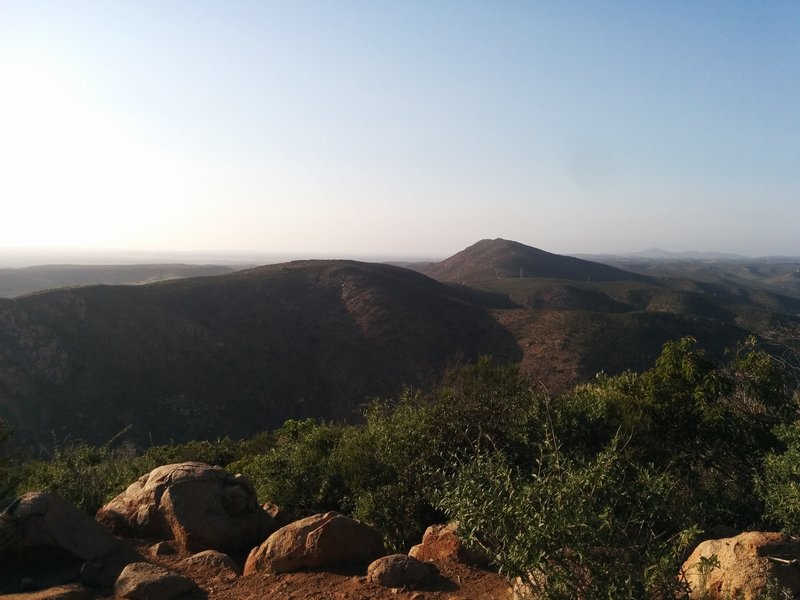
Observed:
{"x":41,"y":521}
{"x":143,"y":581}
{"x":398,"y":570}
{"x":442,"y":543}
{"x":745,"y":566}
{"x":322,"y":540}
{"x":199,"y":506}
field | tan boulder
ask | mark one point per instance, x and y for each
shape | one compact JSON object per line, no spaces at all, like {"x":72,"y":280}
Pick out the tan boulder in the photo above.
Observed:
{"x":322,"y":540}
{"x":211,"y":560}
{"x":199,"y":506}
{"x":143,"y":581}
{"x":745,"y":566}
{"x":41,"y":521}
{"x":442,"y":543}
{"x":398,"y":570}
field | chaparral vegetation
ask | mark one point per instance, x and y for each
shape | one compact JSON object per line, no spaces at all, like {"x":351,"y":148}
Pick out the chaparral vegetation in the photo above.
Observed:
{"x":595,"y":493}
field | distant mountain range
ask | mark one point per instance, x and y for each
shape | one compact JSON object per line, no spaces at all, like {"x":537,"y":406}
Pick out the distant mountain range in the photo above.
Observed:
{"x":690,"y":255}
{"x":26,"y":280}
{"x":237,"y":353}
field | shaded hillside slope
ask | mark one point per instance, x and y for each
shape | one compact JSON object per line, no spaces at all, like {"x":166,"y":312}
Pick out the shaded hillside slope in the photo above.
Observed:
{"x":503,"y":259}
{"x":243,"y":352}
{"x":234,"y":354}
{"x":568,"y":331}
{"x":26,"y":280}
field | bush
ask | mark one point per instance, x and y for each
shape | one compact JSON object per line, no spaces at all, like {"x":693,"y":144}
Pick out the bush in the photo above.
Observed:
{"x":778,"y":485}
{"x":388,"y":470}
{"x":297,"y":472}
{"x":88,"y":476}
{"x":605,"y":528}
{"x":709,"y":425}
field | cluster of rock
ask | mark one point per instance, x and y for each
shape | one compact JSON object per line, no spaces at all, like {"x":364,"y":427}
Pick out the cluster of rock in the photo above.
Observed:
{"x":207,"y":515}
{"x":195,"y":509}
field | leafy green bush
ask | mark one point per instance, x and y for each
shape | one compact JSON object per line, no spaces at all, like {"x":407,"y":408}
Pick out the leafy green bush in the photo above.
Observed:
{"x":605,"y":528}
{"x":296,"y":472}
{"x":778,"y":485}
{"x":709,"y":425}
{"x":88,"y":476}
{"x":217,"y":452}
{"x":387,"y":471}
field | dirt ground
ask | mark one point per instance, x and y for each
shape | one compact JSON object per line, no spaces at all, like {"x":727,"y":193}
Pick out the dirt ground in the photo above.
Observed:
{"x":454,"y":581}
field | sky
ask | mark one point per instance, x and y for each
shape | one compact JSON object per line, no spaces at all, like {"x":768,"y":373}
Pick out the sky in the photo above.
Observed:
{"x":407,"y":128}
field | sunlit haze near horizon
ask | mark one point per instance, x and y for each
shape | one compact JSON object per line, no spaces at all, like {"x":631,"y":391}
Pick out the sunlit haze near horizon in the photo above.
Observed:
{"x":400,"y":128}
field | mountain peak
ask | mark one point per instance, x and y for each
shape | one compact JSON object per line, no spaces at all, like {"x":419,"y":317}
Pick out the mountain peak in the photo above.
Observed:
{"x":498,"y":258}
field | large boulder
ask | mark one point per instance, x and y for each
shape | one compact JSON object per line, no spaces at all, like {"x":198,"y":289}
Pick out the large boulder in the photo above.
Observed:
{"x":199,"y":506}
{"x":398,"y":570}
{"x":43,"y":522}
{"x":144,"y":581}
{"x":746,"y":566}
{"x":322,"y":540}
{"x":442,"y":543}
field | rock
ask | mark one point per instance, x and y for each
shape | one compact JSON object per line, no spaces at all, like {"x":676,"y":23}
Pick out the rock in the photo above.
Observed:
{"x":745,"y":566}
{"x":522,"y":590}
{"x":199,"y":506}
{"x":398,"y":570}
{"x":713,"y":533}
{"x":143,"y":581}
{"x":40,"y":521}
{"x":279,"y":516}
{"x":163,"y":549}
{"x":73,"y":591}
{"x":27,"y":584}
{"x":441,"y":543}
{"x":322,"y":540}
{"x":221,"y":563}
{"x":104,"y":572}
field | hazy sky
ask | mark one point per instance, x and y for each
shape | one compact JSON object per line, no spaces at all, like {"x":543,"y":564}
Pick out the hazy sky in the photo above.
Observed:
{"x":403,"y":128}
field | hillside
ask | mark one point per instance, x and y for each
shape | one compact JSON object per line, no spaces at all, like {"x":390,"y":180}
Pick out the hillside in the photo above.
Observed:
{"x":489,"y":260}
{"x":777,"y":275}
{"x":240,"y":353}
{"x":27,"y":280}
{"x":235,"y":354}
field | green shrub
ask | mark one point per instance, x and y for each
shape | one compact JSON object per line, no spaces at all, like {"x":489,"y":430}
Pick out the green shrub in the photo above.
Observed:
{"x":778,"y":485}
{"x":296,"y":472}
{"x":710,"y":425}
{"x":220,"y":452}
{"x":605,"y":528}
{"x":88,"y":476}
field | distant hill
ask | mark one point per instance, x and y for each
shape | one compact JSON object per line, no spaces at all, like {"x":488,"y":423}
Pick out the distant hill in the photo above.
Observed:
{"x":233,"y":354}
{"x":777,"y":275}
{"x":27,"y":280}
{"x":503,"y":259}
{"x":238,"y":353}
{"x":659,"y":254}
